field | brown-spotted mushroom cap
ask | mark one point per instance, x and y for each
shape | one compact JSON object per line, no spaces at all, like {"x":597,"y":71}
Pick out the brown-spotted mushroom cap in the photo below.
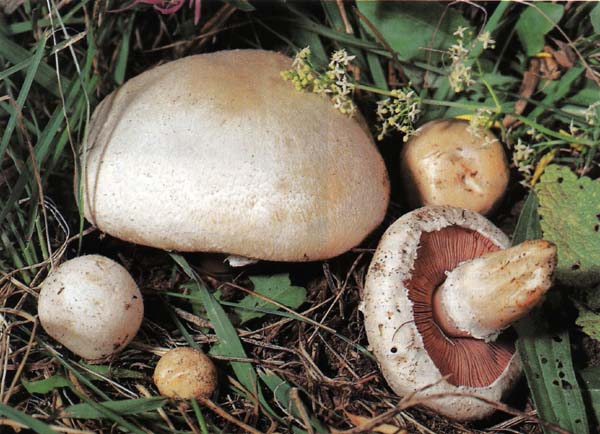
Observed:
{"x":218,"y":153}
{"x":416,"y":256}
{"x":445,"y":164}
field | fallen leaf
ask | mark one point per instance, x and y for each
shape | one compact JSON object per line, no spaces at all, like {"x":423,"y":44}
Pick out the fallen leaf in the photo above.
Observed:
{"x":531,"y":78}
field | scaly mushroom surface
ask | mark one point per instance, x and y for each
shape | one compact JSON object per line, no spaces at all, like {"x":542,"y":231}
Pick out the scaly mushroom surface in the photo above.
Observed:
{"x":439,"y":291}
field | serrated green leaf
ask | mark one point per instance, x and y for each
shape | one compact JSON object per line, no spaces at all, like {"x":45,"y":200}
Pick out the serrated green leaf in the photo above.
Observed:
{"x":277,"y":288}
{"x":570,"y":212}
{"x":122,"y":407}
{"x":589,"y":321}
{"x":535,"y":22}
{"x":397,"y":22}
{"x":46,"y":385}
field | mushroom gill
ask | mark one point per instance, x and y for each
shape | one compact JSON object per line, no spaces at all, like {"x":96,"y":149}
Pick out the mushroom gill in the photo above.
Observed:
{"x":469,"y":362}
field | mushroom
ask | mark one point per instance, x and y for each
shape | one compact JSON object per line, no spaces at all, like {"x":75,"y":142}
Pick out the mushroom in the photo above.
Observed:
{"x":442,"y":286}
{"x":217,"y":153}
{"x":444,"y":164}
{"x":185,"y":373}
{"x":91,"y":305}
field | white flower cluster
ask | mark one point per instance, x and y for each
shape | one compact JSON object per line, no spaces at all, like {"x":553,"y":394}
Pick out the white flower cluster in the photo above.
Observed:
{"x":335,"y":82}
{"x":341,"y":88}
{"x":460,"y":74}
{"x":399,"y":112}
{"x":522,"y":160}
{"x":479,"y":122}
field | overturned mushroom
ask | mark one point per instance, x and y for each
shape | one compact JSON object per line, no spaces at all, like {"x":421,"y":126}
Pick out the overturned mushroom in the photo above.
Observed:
{"x":217,"y":153}
{"x":91,"y":305}
{"x":439,"y":292}
{"x":445,"y":164}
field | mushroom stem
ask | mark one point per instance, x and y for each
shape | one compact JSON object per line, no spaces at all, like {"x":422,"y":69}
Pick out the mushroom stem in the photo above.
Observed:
{"x":483,"y":296}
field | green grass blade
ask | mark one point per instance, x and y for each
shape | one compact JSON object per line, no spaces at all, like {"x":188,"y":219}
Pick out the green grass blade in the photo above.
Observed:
{"x":546,"y":352}
{"x":32,"y":70}
{"x":24,"y":419}
{"x":45,"y":76}
{"x":93,"y":410}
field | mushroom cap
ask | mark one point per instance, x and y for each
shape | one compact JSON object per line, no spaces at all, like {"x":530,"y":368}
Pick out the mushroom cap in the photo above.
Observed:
{"x":217,"y":153}
{"x":185,"y":373}
{"x":444,"y":164}
{"x":408,"y":265}
{"x":91,"y":305}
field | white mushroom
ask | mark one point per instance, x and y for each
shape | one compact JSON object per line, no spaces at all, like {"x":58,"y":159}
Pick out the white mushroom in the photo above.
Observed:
{"x":439,"y":290}
{"x":91,"y":305}
{"x":444,"y":164}
{"x":217,"y":153}
{"x":185,"y":373}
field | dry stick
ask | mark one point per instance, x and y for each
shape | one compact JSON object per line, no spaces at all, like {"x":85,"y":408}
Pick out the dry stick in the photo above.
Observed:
{"x":338,"y":295}
{"x":295,"y":398}
{"x":413,"y":399}
{"x":347,"y":25}
{"x":27,"y":350}
{"x":222,"y":413}
{"x":385,"y":44}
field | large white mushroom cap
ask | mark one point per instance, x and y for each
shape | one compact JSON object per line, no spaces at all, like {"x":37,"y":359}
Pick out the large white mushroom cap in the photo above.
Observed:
{"x":218,"y":153}
{"x":91,"y":305}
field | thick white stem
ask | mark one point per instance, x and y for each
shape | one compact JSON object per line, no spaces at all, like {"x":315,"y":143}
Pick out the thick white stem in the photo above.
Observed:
{"x":483,"y":296}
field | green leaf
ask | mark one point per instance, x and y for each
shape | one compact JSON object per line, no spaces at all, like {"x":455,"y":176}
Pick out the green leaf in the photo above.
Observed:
{"x":281,"y":389}
{"x":570,"y":211}
{"x":46,"y":385}
{"x":590,"y":381}
{"x":589,"y":321}
{"x":595,"y":18}
{"x":24,"y":419}
{"x":410,"y":26}
{"x":546,"y":352}
{"x":277,"y":288}
{"x":113,"y":372}
{"x":535,"y":22}
{"x":528,"y":226}
{"x":123,"y":408}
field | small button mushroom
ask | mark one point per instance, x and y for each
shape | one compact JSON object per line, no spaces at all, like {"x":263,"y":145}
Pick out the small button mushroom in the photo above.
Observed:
{"x":442,"y":286}
{"x":185,"y":373}
{"x":91,"y":305}
{"x":444,"y":164}
{"x":231,"y":141}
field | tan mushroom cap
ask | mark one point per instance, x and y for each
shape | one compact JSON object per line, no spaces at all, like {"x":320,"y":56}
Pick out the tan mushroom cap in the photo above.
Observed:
{"x":185,"y":373}
{"x":443,"y":164}
{"x":409,"y":265}
{"x":217,"y":153}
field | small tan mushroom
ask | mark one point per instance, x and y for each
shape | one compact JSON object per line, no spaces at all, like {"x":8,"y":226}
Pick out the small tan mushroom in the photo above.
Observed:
{"x":441,"y":288}
{"x":185,"y":373}
{"x":444,"y":164}
{"x":91,"y":305}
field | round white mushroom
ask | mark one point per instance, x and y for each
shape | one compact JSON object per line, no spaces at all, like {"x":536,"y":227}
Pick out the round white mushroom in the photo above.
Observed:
{"x":217,"y":153}
{"x":439,"y":292}
{"x":91,"y":305}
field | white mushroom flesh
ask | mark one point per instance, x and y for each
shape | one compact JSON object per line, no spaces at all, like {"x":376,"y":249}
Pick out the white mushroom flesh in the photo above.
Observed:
{"x":483,"y":296}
